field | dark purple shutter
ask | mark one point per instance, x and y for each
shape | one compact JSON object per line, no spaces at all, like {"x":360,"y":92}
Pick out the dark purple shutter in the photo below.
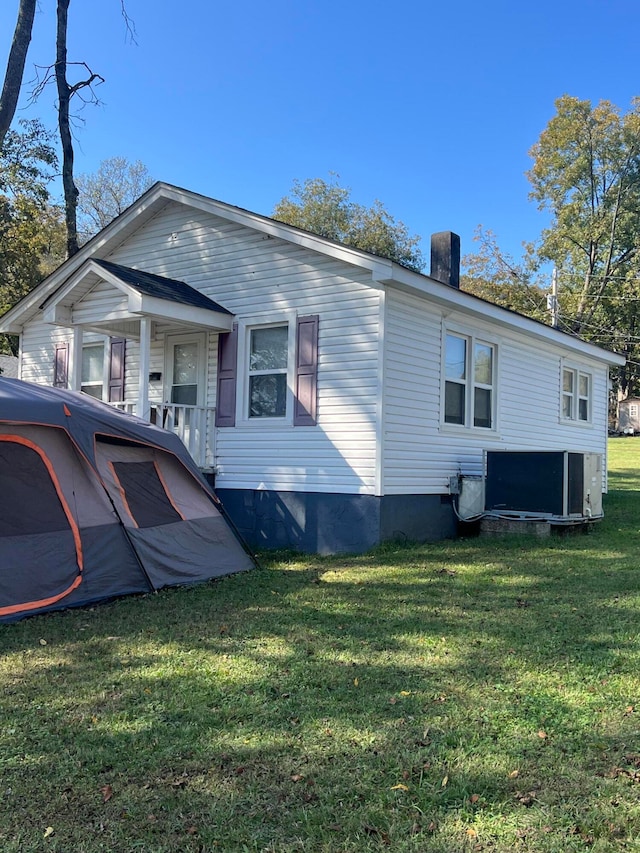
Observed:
{"x":116,"y":370}
{"x":227,"y":376}
{"x":305,"y":404}
{"x":61,"y":366}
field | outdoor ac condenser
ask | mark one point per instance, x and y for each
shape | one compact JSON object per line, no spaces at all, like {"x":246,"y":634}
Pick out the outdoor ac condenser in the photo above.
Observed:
{"x":559,"y":484}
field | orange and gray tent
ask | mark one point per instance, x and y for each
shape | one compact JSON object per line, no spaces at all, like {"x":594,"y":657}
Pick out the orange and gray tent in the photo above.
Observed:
{"x":96,"y":504}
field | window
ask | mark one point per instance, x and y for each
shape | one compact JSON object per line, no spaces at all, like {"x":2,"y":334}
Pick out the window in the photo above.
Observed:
{"x":469,"y":367}
{"x":576,"y":395}
{"x":633,"y":410}
{"x":269,"y":373}
{"x":184,"y":389}
{"x":268,"y":367}
{"x":92,"y":378}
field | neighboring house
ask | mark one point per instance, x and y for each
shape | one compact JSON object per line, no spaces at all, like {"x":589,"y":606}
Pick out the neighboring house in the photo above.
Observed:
{"x":9,"y":366}
{"x":332,"y":393}
{"x":629,"y":416}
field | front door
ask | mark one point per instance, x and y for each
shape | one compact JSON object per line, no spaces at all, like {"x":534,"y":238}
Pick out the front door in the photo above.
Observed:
{"x":185,"y":370}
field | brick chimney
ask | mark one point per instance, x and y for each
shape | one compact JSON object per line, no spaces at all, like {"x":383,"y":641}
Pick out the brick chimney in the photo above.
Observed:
{"x":445,"y":258}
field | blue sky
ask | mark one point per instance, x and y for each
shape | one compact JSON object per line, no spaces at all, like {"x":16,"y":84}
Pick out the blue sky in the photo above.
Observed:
{"x":429,"y":107}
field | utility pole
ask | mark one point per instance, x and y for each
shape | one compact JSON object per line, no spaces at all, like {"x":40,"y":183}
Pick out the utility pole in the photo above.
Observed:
{"x":552,"y":299}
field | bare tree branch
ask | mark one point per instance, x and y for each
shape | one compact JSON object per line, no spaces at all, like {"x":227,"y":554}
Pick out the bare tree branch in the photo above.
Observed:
{"x":129,"y":24}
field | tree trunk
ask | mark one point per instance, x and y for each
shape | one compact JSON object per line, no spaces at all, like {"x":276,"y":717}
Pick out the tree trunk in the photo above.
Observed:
{"x":15,"y":65}
{"x":64,"y":97}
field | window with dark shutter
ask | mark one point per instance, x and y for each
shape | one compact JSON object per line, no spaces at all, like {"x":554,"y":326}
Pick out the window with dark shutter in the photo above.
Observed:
{"x":227,"y":377}
{"x":305,"y":404}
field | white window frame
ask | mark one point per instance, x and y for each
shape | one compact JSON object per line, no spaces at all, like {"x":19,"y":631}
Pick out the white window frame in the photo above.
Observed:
{"x":87,"y":344}
{"x":201,"y":375}
{"x":472,"y":339}
{"x":574,"y":397}
{"x":245,"y":327}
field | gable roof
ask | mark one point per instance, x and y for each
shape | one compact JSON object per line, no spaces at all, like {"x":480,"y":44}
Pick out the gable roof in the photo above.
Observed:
{"x":384,"y":272}
{"x":161,"y":287}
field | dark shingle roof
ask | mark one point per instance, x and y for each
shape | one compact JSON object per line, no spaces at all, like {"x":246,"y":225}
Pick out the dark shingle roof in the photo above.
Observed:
{"x":161,"y":287}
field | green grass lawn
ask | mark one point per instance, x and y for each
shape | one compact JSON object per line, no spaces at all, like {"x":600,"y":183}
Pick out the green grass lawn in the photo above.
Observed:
{"x":460,"y":696}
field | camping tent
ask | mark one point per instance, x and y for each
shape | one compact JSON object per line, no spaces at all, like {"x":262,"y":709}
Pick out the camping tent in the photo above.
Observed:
{"x":95,"y":503}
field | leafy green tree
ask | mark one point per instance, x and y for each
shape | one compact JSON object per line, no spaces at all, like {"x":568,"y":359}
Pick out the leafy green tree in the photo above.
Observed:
{"x":32,"y":234}
{"x":325,"y":208}
{"x":586,"y":174}
{"x":107,"y":192}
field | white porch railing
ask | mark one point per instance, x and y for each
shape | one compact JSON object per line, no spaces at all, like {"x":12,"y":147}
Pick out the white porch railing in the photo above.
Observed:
{"x":194,"y":425}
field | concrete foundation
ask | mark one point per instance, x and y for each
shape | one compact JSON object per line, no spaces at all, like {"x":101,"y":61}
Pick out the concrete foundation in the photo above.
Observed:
{"x":490,"y":526}
{"x":336,"y":523}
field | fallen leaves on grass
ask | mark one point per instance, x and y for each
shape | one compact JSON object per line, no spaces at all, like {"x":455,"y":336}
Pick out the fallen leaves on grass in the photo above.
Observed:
{"x":107,"y":793}
{"x":378,"y":833}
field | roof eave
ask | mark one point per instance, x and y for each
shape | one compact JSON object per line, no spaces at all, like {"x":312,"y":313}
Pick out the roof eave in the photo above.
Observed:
{"x":455,"y":299}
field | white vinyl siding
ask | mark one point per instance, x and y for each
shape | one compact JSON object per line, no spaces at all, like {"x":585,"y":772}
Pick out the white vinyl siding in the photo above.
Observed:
{"x":364,"y":442}
{"x":420,"y":454}
{"x":263,"y":278}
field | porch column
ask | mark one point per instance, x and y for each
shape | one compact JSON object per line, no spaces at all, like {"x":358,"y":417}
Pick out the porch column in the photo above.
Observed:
{"x":75,"y":362}
{"x":143,"y":383}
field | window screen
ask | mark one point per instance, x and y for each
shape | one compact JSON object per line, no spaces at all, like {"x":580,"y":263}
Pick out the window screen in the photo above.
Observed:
{"x":146,"y":497}
{"x":29,"y":502}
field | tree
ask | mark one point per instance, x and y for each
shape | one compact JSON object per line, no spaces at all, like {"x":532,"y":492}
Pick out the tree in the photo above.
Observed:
{"x":325,"y":208}
{"x":586,"y":173}
{"x":57,"y":72}
{"x":32,"y":234}
{"x":15,"y":65}
{"x":106,"y":193}
{"x":497,"y":277}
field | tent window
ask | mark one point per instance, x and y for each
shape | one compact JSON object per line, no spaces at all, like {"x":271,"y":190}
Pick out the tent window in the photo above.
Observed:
{"x":146,"y":497}
{"x":29,"y":502}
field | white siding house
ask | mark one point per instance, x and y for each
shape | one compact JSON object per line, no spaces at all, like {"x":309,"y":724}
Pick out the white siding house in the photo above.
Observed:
{"x":331,"y":393}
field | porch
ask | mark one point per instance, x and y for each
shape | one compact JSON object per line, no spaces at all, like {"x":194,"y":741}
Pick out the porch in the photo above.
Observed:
{"x":160,"y":327}
{"x":194,"y":426}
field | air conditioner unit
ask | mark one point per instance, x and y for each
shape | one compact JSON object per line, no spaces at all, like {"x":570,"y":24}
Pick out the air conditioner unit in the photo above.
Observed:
{"x":558,"y":484}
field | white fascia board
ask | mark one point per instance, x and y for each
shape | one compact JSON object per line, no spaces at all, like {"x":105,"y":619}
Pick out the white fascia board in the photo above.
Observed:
{"x":104,"y":242}
{"x":164,"y":309}
{"x":453,"y":299}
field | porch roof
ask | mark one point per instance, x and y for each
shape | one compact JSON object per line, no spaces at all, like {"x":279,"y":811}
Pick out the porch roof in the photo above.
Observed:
{"x":160,"y":286}
{"x":140,"y":294}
